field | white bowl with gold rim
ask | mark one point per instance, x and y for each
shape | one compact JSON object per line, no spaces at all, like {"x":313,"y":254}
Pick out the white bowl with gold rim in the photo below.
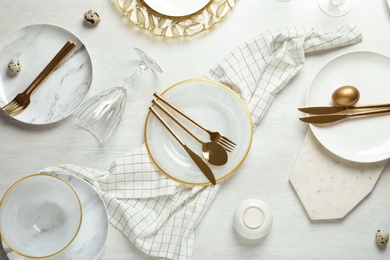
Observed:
{"x":40,"y":216}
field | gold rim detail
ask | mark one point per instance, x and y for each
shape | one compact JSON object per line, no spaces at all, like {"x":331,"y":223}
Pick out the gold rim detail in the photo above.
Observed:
{"x":227,"y":174}
{"x":137,"y":12}
{"x":77,"y":231}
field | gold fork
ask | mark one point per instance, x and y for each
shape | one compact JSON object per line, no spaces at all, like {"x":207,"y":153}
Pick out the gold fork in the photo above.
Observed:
{"x":214,"y":136}
{"x":22,"y":100}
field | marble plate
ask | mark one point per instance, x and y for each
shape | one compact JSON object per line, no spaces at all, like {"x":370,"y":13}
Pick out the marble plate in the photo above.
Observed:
{"x":357,"y":139}
{"x":92,"y":235}
{"x":213,"y":105}
{"x":176,"y":7}
{"x":63,"y":91}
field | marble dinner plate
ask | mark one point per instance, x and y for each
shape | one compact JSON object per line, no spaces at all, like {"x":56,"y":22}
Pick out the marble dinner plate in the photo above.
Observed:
{"x":214,"y":106}
{"x":176,"y":7}
{"x":357,"y":139}
{"x":92,"y":235}
{"x":63,"y":91}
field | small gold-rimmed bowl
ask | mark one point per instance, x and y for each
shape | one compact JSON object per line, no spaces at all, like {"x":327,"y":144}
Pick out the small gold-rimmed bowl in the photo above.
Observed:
{"x":40,"y":216}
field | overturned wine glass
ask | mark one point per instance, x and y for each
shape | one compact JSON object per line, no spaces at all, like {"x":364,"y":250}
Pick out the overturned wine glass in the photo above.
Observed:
{"x":101,"y":114}
{"x":335,"y":8}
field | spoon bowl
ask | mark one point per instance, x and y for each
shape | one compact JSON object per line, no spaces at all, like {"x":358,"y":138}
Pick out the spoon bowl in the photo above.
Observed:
{"x":346,"y":96}
{"x":214,"y":153}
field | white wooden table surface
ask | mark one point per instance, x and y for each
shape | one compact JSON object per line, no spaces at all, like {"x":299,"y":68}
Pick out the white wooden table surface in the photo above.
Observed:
{"x":25,"y":149}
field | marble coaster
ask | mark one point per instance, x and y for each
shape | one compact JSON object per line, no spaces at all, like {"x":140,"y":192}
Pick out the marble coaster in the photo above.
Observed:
{"x":329,"y":187}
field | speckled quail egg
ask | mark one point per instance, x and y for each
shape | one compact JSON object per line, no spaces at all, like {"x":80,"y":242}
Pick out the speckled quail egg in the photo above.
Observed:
{"x":14,"y":66}
{"x":382,"y":237}
{"x":91,"y":17}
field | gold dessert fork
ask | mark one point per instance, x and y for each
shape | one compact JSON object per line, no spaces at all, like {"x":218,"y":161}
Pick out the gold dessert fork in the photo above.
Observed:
{"x":214,"y":136}
{"x":22,"y":100}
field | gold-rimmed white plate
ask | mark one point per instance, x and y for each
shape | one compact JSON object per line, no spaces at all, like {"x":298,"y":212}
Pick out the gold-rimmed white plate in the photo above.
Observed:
{"x":213,"y":105}
{"x":176,"y":7}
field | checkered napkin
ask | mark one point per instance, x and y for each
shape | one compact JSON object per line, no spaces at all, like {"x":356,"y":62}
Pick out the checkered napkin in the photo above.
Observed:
{"x":159,"y":215}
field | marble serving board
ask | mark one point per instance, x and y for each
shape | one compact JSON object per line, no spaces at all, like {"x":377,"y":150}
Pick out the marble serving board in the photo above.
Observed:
{"x":66,"y":87}
{"x":330,"y":187}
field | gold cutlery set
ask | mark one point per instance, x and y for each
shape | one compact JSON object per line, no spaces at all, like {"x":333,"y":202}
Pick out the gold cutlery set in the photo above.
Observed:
{"x":344,"y":99}
{"x":22,"y":100}
{"x":331,"y":114}
{"x":214,"y":152}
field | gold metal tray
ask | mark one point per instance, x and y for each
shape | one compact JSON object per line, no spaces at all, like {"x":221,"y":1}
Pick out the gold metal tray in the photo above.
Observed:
{"x":137,"y":12}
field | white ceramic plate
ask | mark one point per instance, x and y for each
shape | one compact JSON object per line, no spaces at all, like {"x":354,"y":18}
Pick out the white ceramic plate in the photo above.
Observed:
{"x":359,"y":139}
{"x":176,"y":7}
{"x":213,"y":105}
{"x":92,"y":235}
{"x":63,"y":91}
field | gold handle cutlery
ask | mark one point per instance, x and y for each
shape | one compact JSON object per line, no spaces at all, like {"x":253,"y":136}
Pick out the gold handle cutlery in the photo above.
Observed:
{"x":214,"y":136}
{"x":22,"y":100}
{"x":319,"y":110}
{"x":331,"y":118}
{"x":213,"y":152}
{"x":202,"y":165}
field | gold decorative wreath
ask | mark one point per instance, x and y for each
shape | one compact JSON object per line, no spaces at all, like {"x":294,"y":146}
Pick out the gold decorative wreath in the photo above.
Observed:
{"x":137,"y":12}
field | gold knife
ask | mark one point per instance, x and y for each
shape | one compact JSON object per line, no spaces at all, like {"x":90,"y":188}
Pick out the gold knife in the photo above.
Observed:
{"x":325,"y":119}
{"x":334,"y":109}
{"x":202,"y":165}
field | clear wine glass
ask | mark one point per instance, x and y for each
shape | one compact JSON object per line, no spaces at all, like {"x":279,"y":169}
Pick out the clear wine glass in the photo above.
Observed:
{"x":101,"y":114}
{"x":335,"y":8}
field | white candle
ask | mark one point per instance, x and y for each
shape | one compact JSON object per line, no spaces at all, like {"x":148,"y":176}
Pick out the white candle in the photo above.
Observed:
{"x":253,"y":219}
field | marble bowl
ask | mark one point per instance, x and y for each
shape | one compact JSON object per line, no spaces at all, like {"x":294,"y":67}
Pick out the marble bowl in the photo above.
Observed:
{"x":40,"y":216}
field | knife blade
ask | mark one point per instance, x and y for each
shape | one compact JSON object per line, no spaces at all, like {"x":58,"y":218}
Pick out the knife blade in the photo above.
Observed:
{"x":202,"y":165}
{"x":331,"y":118}
{"x":320,"y":110}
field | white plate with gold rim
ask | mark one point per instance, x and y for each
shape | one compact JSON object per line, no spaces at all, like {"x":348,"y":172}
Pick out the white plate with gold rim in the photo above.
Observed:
{"x":90,"y":240}
{"x":176,"y":7}
{"x":357,"y":139}
{"x":211,"y":104}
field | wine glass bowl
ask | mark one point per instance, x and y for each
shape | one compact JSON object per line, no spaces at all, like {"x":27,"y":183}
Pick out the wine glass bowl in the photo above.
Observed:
{"x":335,"y":8}
{"x":102,"y":113}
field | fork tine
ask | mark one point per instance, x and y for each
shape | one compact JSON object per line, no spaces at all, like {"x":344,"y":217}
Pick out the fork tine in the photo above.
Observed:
{"x":227,"y":148}
{"x":12,"y":109}
{"x":17,"y":111}
{"x":9,"y":105}
{"x":231,"y":145}
{"x":227,"y":140}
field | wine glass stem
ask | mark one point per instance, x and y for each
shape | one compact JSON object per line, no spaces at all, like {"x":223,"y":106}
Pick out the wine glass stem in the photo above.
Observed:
{"x":336,"y":2}
{"x":130,"y":81}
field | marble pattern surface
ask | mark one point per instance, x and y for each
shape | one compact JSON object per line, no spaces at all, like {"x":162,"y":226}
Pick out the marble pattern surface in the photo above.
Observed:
{"x":330,"y":187}
{"x":276,"y":142}
{"x":63,"y":91}
{"x":92,"y":235}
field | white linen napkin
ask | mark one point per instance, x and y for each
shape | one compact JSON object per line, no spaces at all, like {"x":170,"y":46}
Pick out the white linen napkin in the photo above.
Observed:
{"x":159,"y":215}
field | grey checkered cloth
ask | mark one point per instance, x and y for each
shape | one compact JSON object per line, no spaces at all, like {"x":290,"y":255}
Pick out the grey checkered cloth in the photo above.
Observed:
{"x":159,"y":215}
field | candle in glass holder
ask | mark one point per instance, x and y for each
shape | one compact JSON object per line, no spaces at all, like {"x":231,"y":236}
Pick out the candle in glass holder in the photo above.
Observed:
{"x":253,"y":219}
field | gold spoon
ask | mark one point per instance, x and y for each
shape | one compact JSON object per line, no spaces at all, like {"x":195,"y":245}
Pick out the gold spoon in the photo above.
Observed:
{"x":213,"y":152}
